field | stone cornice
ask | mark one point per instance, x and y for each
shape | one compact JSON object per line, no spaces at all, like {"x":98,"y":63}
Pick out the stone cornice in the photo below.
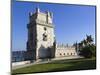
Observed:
{"x":48,"y":25}
{"x":44,"y":23}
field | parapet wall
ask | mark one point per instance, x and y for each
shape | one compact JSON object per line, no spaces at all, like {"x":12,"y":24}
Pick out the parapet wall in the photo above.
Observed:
{"x":65,"y":51}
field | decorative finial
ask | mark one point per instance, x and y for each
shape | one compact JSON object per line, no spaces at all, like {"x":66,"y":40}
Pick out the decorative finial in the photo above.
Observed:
{"x":37,"y":10}
{"x":51,"y":14}
{"x":30,"y":13}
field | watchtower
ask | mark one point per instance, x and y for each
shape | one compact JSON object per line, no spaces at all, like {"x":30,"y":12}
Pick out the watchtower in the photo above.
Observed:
{"x":41,"y":36}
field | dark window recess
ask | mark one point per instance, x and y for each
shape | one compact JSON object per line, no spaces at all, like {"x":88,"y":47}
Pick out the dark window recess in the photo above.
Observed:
{"x":67,"y":53}
{"x":44,"y":37}
{"x":45,"y":28}
{"x":71,"y":53}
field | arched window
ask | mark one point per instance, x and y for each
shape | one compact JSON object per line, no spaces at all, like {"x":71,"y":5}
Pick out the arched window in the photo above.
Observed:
{"x":44,"y":37}
{"x":60,"y":54}
{"x":71,"y":53}
{"x":45,"y":28}
{"x":67,"y":53}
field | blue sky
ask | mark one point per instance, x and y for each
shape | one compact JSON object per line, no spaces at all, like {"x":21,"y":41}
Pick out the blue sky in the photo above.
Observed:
{"x":72,"y":22}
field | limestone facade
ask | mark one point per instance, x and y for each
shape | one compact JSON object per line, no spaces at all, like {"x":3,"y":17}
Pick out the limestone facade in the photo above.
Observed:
{"x":65,"y":50}
{"x":40,"y":35}
{"x":41,"y":38}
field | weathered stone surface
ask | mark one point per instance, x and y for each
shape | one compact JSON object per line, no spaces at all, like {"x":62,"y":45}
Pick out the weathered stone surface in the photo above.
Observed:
{"x":41,"y":39}
{"x":40,"y":35}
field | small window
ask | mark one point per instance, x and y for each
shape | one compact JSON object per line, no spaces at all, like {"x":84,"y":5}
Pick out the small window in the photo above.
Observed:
{"x":45,"y":28}
{"x":71,"y":54}
{"x":60,"y":54}
{"x":67,"y":53}
{"x":44,"y":37}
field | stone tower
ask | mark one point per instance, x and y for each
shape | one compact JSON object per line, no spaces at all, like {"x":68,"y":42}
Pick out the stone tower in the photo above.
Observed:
{"x":41,"y":36}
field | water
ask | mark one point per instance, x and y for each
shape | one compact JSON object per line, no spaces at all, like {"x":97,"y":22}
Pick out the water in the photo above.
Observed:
{"x":18,"y":56}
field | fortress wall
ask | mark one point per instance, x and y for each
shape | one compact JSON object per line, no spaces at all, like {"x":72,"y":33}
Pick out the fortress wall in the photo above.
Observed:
{"x":65,"y":51}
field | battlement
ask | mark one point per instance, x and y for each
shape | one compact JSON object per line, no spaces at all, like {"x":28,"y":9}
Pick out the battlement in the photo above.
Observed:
{"x":65,"y":50}
{"x":64,"y":46}
{"x":41,"y":16}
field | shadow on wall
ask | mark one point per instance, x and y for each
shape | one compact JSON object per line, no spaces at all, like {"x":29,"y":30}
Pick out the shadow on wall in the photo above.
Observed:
{"x":45,"y":52}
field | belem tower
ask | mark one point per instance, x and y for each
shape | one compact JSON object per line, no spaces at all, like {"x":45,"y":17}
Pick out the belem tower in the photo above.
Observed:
{"x":41,"y":41}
